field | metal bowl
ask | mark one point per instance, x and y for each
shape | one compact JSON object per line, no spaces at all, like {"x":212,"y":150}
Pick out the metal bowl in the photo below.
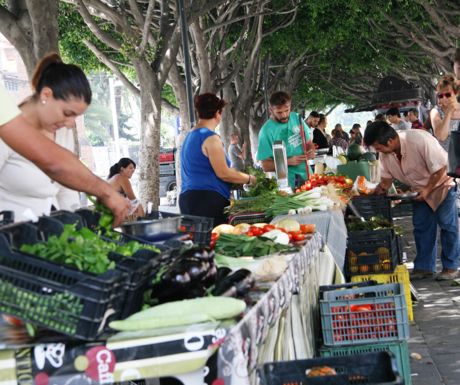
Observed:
{"x":153,"y":229}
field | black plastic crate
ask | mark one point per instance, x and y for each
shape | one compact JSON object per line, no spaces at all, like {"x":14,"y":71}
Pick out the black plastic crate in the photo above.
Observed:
{"x":371,"y":252}
{"x":402,"y":209}
{"x":6,"y":217}
{"x":198,"y":227}
{"x":248,"y":218}
{"x":56,"y":297}
{"x":139,"y":267}
{"x":371,"y":368}
{"x":371,"y":206}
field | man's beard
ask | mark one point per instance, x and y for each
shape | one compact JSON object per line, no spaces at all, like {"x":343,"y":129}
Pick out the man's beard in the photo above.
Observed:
{"x":283,"y":120}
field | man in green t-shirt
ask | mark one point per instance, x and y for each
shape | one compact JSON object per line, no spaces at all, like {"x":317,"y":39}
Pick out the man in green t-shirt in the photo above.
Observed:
{"x":284,"y":125}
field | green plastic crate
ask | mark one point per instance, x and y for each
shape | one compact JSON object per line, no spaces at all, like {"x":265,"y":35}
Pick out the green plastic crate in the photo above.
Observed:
{"x":399,"y":349}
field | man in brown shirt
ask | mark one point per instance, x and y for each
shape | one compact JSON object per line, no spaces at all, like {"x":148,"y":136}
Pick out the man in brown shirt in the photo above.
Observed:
{"x":416,"y":158}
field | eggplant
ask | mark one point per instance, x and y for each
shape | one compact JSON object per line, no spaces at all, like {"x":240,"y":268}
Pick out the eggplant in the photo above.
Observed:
{"x":237,"y":284}
{"x":204,"y":254}
{"x":222,"y":272}
{"x":196,"y":268}
{"x":210,"y":278}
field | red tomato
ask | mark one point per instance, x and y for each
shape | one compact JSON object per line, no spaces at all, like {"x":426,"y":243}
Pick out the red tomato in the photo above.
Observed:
{"x":358,"y":308}
{"x":268,"y":228}
{"x":307,"y":185}
{"x":307,"y":228}
{"x":298,"y":237}
{"x":256,"y":231}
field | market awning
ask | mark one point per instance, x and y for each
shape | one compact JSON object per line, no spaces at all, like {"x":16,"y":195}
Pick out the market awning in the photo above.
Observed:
{"x":391,"y":92}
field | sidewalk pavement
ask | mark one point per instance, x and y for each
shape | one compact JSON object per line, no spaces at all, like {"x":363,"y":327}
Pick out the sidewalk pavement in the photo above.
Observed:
{"x":435,"y":334}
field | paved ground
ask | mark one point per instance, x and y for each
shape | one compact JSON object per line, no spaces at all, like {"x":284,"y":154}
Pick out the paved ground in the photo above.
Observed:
{"x":435,"y":334}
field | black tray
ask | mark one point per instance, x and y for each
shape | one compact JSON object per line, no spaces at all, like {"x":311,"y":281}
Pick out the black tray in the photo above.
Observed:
{"x":370,"y":368}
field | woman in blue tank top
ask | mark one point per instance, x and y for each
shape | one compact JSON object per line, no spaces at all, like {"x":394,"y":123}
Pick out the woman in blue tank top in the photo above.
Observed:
{"x":205,"y":169}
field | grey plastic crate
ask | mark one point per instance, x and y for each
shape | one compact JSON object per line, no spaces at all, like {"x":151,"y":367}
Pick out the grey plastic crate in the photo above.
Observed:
{"x":364,"y":315}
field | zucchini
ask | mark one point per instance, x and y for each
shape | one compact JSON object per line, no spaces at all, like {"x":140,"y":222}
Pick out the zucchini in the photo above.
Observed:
{"x":184,"y":312}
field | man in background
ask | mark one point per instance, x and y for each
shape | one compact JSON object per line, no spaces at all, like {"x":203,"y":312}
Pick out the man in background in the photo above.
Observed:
{"x":394,"y":117}
{"x":412,"y":117}
{"x":341,"y":133}
{"x":236,"y":153}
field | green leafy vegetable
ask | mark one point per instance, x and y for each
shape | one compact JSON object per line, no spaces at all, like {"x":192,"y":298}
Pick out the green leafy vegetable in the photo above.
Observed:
{"x":263,"y":184}
{"x":83,"y":249}
{"x":233,"y":245}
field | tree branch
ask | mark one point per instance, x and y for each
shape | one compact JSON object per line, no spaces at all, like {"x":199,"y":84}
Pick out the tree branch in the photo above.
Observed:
{"x":108,"y":63}
{"x":92,"y":25}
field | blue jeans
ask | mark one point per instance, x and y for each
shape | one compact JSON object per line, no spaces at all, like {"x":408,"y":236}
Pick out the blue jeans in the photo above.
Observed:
{"x":426,"y":222}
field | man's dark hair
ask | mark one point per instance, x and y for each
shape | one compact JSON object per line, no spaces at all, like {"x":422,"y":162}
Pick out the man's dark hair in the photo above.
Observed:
{"x":380,"y":132}
{"x":379,"y":117}
{"x":356,"y":125}
{"x":279,"y":98}
{"x":414,"y":111}
{"x":393,"y":112}
{"x":314,"y":114}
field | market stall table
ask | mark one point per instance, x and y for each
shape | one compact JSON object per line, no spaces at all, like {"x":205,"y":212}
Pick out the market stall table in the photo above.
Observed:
{"x":287,"y":312}
{"x":331,"y":225}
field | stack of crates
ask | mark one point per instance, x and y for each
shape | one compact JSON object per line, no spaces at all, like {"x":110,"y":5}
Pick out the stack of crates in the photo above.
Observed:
{"x":376,"y":254}
{"x":358,"y":319}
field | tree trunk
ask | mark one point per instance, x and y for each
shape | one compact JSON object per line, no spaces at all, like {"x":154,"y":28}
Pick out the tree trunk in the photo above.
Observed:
{"x":149,"y":179}
{"x":32,"y":27}
{"x":181,"y":96}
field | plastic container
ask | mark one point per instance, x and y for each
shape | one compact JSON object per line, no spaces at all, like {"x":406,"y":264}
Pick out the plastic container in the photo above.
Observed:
{"x":342,"y":286}
{"x":400,"y":275}
{"x":249,"y":218}
{"x":372,"y":206}
{"x":364,"y":315}
{"x":399,"y":349}
{"x":138,"y":268}
{"x":371,"y":368}
{"x":402,"y":209}
{"x":371,"y":252}
{"x":55,"y":297}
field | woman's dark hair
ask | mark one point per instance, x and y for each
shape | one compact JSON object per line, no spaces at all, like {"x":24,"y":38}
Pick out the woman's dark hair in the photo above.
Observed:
{"x":322,"y":118}
{"x":208,"y":104}
{"x":122,"y":163}
{"x":380,"y":132}
{"x":65,"y":80}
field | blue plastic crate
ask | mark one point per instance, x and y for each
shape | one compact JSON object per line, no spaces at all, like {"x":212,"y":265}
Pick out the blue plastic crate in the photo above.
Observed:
{"x":364,"y":315}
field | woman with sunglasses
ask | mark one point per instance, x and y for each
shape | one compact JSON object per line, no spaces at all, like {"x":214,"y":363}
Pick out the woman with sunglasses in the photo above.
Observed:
{"x":445,"y":117}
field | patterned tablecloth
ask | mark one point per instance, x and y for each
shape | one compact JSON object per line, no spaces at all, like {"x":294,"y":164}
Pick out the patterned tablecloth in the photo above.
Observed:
{"x":283,"y":325}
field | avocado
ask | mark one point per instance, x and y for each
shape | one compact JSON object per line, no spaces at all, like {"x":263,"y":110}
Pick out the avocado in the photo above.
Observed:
{"x":354,"y":151}
{"x":369,"y":156}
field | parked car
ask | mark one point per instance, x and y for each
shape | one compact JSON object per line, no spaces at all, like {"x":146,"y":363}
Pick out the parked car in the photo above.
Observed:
{"x":168,"y":185}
